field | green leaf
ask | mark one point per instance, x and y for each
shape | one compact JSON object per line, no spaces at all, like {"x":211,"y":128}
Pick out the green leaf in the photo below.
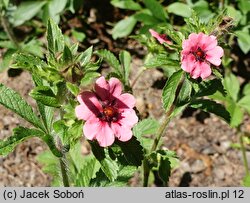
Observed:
{"x":85,"y":57}
{"x":132,"y":150}
{"x":146,"y":127}
{"x":244,"y":6}
{"x":13,"y":101}
{"x":146,"y":18}
{"x":246,"y":181}
{"x":156,"y":9}
{"x":108,"y":166}
{"x":84,"y":176}
{"x":80,"y":36}
{"x":55,"y":38}
{"x":50,"y":166}
{"x":246,"y":89}
{"x":89,"y":77}
{"x":170,"y":88}
{"x":19,"y":135}
{"x":46,"y":112}
{"x":125,"y":173}
{"x":45,"y":95}
{"x":245,"y":103}
{"x":67,"y":56}
{"x":160,"y":60}
{"x":211,"y":107}
{"x":126,"y":4}
{"x":125,"y":59}
{"x":164,"y":169}
{"x":110,"y":58}
{"x":243,"y":40}
{"x":209,"y":87}
{"x":180,"y":9}
{"x":26,"y":10}
{"x":232,"y":86}
{"x":73,"y":88}
{"x":236,"y":114}
{"x":124,"y":27}
{"x":55,"y":7}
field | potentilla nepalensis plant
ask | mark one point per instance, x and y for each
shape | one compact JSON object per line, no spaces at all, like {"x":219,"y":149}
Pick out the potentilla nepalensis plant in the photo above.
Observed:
{"x":106,"y":118}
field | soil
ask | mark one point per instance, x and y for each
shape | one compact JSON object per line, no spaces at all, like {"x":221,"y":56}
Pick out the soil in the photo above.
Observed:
{"x":201,"y":141}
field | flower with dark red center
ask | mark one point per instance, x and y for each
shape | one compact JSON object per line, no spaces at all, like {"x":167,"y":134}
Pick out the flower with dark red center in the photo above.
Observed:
{"x":199,"y":52}
{"x":108,"y":113}
{"x":160,"y":37}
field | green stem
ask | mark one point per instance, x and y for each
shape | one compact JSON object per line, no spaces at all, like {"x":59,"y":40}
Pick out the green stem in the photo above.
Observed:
{"x":167,"y":119}
{"x":7,"y":28}
{"x":63,"y":167}
{"x":243,"y":150}
{"x":137,"y":76}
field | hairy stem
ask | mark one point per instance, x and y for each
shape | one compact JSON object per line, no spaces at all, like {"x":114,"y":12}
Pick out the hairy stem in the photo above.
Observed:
{"x":243,"y":150}
{"x":167,"y":119}
{"x":7,"y":28}
{"x":63,"y":167}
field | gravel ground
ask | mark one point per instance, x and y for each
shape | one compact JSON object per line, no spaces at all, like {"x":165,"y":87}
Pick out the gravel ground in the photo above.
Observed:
{"x":202,"y":141}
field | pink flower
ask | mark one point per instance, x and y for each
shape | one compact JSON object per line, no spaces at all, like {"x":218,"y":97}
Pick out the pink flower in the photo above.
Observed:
{"x":160,"y":37}
{"x":199,"y":52}
{"x":108,"y":113}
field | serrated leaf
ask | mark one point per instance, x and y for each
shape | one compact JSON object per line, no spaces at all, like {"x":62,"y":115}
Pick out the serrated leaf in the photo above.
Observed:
{"x":26,"y":10}
{"x":245,"y":103}
{"x":156,"y":9}
{"x":46,"y":112}
{"x":243,"y":40}
{"x":236,"y":114}
{"x":67,"y":56}
{"x":84,"y":176}
{"x":45,"y":95}
{"x":124,"y":27}
{"x":211,"y":107}
{"x":185,"y":93}
{"x":180,"y":9}
{"x":164,"y":170}
{"x":160,"y":60}
{"x":73,"y":88}
{"x":145,"y":127}
{"x":50,"y":166}
{"x":55,"y":38}
{"x":125,"y":59}
{"x":108,"y":166}
{"x":206,"y":88}
{"x":246,"y":89}
{"x":85,"y":57}
{"x":232,"y":86}
{"x":13,"y":101}
{"x":125,"y":173}
{"x":169,"y":90}
{"x":89,"y":77}
{"x":127,"y":4}
{"x":19,"y":135}
{"x":132,"y":150}
{"x":110,"y":59}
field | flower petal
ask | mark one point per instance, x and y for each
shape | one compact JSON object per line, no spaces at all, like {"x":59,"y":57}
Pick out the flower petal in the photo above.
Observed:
{"x":197,"y":70}
{"x":105,"y":135}
{"x":125,"y":101}
{"x":102,"y":88}
{"x":209,"y":42}
{"x":214,"y":55}
{"x":205,"y":70}
{"x":115,"y":87}
{"x":188,"y":62}
{"x":123,"y":133}
{"x":160,"y":37}
{"x":91,"y":128}
{"x":128,"y":118}
{"x":89,"y":105}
